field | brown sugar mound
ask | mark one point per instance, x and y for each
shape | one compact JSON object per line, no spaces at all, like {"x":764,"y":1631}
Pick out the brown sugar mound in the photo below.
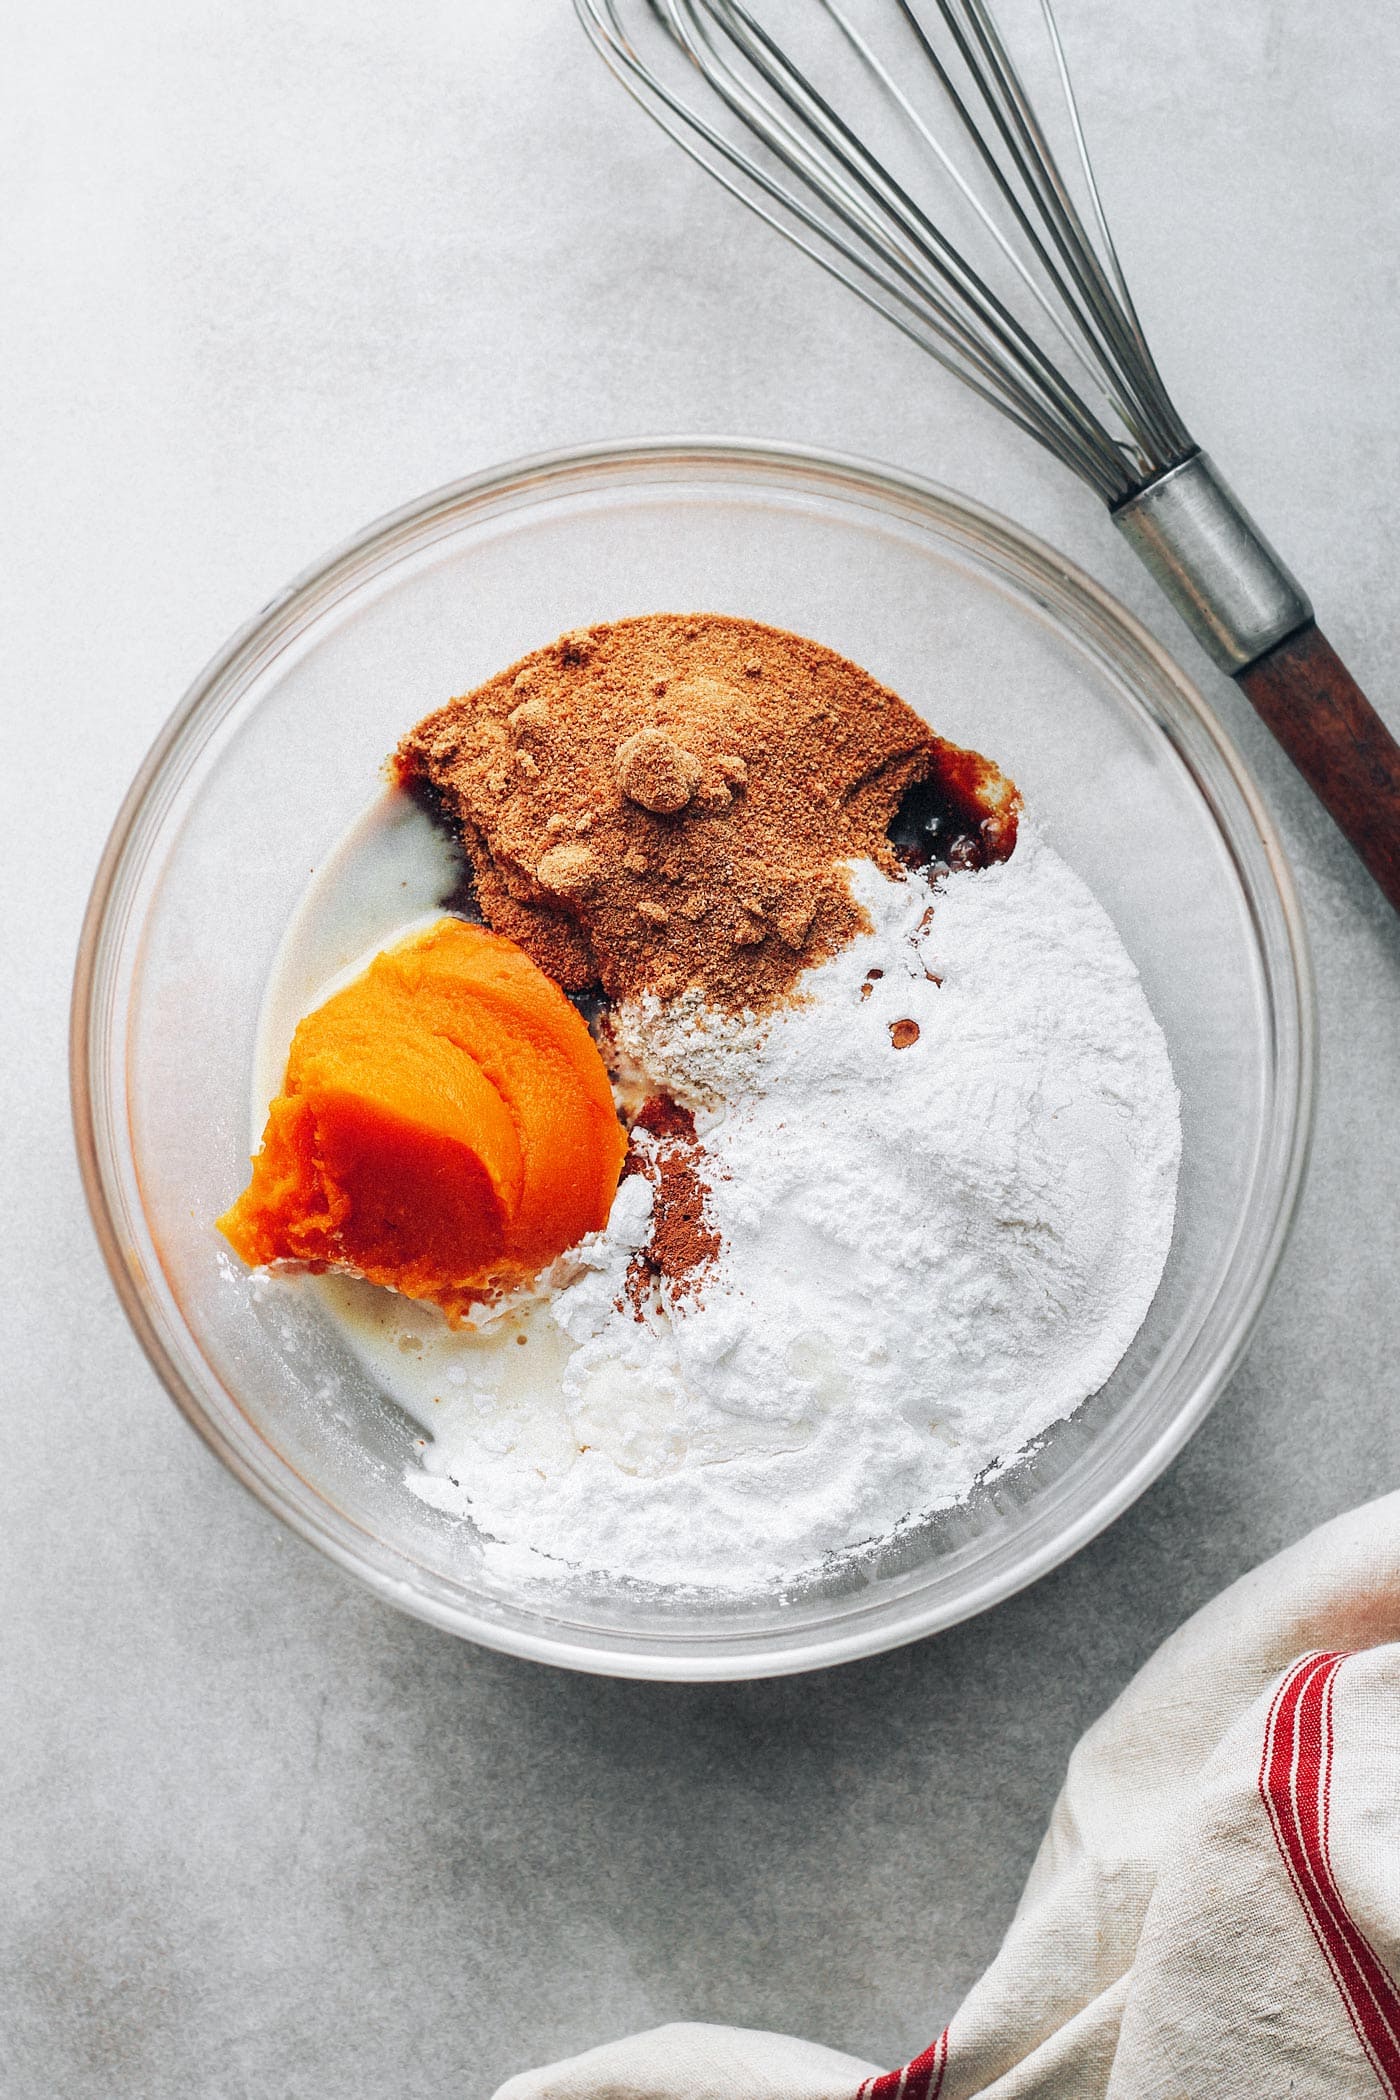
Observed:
{"x":665,"y":802}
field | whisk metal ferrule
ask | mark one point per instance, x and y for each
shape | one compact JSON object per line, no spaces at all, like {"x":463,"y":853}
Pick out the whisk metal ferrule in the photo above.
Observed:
{"x":1214,"y":564}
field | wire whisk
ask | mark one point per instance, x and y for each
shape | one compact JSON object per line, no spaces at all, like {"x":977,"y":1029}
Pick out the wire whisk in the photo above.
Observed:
{"x":823,"y":186}
{"x":965,"y":231}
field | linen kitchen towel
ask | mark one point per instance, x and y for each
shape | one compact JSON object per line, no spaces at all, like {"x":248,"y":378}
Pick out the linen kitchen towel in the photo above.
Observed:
{"x":1214,"y":1913}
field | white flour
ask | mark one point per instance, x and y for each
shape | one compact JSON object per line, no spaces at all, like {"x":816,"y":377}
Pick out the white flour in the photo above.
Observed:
{"x":931,"y":1253}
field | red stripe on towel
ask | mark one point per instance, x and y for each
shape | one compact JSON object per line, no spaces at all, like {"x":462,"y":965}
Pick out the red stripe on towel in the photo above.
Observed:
{"x":1295,"y":1781}
{"x":920,"y":2080}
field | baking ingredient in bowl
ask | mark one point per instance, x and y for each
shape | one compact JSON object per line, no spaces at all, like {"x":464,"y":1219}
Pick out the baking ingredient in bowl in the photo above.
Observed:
{"x":670,"y":803}
{"x":445,"y":1126}
{"x":870,"y":1268}
{"x":904,"y":1138}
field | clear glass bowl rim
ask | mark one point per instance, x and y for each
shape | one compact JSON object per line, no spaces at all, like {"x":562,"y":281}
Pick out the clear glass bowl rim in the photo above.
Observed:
{"x":1260,"y":863}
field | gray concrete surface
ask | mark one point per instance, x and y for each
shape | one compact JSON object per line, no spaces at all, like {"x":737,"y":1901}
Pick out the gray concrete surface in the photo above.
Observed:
{"x":283,"y":266}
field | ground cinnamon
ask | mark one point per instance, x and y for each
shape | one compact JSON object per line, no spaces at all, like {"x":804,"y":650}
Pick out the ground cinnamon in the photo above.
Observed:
{"x":665,"y":802}
{"x":683,"y":1242}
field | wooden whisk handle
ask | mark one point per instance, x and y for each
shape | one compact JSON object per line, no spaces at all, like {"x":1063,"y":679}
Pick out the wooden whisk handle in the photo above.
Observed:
{"x":1250,"y":613}
{"x":1338,"y":742}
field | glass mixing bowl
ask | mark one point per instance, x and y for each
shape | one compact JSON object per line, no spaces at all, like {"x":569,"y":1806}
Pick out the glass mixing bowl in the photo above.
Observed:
{"x":1008,"y":648}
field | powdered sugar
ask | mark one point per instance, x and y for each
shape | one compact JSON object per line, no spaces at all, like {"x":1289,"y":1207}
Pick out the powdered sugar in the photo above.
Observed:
{"x":929,"y":1253}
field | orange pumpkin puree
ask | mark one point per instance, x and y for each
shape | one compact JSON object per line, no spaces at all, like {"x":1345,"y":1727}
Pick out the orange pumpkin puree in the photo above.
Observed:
{"x":445,"y":1126}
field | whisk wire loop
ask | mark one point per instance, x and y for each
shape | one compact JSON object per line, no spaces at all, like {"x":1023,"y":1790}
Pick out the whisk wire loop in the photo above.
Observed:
{"x":1092,"y":300}
{"x":885,"y":208}
{"x":881,"y":72}
{"x":898,"y":274}
{"x":1176,"y":437}
{"x":1103,"y":375}
{"x":898,"y":306}
{"x":891,"y":287}
{"x":811,"y":175}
